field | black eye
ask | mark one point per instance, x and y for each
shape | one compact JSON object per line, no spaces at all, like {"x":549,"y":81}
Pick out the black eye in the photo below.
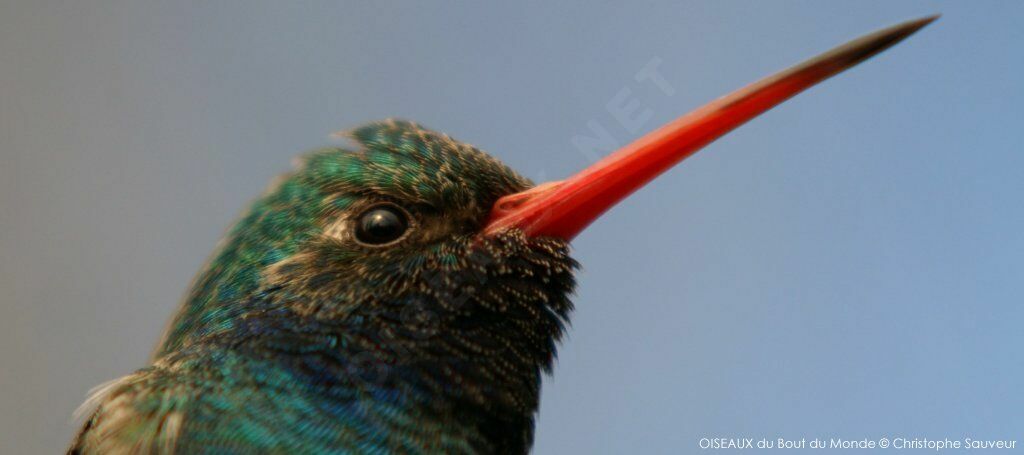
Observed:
{"x":381,"y":224}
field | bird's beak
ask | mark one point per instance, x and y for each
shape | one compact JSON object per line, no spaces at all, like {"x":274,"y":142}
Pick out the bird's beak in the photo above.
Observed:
{"x":564,"y":208}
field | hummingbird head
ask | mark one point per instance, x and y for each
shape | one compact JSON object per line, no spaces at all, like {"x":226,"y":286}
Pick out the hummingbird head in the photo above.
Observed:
{"x":384,"y":247}
{"x":429,"y":267}
{"x":397,"y":225}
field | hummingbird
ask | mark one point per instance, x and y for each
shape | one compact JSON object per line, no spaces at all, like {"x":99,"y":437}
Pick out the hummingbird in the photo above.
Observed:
{"x":404,"y":295}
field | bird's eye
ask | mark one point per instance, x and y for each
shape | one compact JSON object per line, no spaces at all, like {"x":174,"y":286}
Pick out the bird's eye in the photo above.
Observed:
{"x":381,"y":224}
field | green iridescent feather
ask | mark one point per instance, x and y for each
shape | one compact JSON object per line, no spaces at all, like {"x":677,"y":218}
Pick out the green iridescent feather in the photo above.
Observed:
{"x":297,"y":338}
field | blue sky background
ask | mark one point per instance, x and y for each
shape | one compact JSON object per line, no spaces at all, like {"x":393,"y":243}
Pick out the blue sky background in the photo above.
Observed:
{"x":848,"y":265}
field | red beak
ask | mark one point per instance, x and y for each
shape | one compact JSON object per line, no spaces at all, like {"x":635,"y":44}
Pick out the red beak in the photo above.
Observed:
{"x":564,"y":208}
